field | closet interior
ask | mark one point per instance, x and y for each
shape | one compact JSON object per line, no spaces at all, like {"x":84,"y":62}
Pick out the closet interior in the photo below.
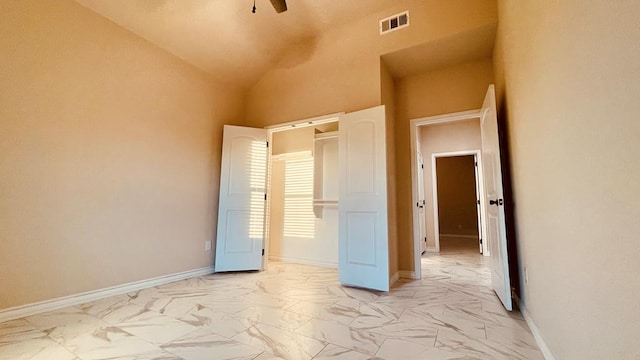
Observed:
{"x":303,"y":209}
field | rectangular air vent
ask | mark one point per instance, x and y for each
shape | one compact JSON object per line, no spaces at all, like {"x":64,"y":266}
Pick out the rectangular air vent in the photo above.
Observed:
{"x":394,"y":22}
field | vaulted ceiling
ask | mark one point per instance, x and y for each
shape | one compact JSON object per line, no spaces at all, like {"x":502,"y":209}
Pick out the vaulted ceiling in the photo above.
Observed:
{"x":225,"y":39}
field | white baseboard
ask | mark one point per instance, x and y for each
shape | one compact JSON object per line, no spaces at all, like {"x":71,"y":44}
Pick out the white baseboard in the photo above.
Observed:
{"x":303,"y":261}
{"x":406,"y":274}
{"x":544,"y":349}
{"x":394,"y":278}
{"x":461,"y":236}
{"x":76,"y":299}
{"x":432,"y":250}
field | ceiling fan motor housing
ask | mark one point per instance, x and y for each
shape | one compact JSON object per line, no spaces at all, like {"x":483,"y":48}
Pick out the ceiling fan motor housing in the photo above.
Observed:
{"x":279,"y":5}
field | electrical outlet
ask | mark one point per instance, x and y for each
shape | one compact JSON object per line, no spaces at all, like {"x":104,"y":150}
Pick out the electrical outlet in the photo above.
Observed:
{"x":526,"y":275}
{"x":207,"y":245}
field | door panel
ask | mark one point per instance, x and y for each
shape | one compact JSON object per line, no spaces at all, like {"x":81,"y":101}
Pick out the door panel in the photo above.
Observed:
{"x":241,"y":206}
{"x":361,"y":169}
{"x":363,"y":238}
{"x":494,"y":200}
{"x":237,"y":228}
{"x":361,"y":230}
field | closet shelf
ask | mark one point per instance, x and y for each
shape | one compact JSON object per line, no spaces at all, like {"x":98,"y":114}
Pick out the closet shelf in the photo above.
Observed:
{"x":325,"y":202}
{"x":326,"y":136}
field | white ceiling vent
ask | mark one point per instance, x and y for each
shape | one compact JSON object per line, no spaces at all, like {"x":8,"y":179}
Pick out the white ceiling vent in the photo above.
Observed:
{"x":394,"y":22}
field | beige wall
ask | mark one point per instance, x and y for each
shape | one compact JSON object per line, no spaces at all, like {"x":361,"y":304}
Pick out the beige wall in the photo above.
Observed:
{"x":293,"y":140}
{"x":95,"y":122}
{"x":571,"y":71}
{"x":340,"y":70}
{"x":457,"y":207}
{"x":387,"y":96}
{"x":458,"y":136}
{"x":455,"y":88}
{"x":109,"y":154}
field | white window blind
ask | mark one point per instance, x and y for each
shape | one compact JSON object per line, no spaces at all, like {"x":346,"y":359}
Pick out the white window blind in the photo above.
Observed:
{"x":258,"y":155}
{"x":299,"y":219}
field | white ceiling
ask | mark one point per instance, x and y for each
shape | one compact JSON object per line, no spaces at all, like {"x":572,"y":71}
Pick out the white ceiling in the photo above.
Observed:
{"x":223,"y":37}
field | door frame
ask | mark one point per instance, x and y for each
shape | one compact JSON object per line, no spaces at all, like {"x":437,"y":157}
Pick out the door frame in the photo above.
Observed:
{"x":271,"y":129}
{"x":414,"y":126}
{"x":420,"y":187}
{"x":479,"y":186}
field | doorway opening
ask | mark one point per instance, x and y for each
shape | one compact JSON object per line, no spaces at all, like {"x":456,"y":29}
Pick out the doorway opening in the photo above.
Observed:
{"x":302,"y":202}
{"x":456,"y":202}
{"x":363,"y":229}
{"x":433,"y":139}
{"x":492,"y":204}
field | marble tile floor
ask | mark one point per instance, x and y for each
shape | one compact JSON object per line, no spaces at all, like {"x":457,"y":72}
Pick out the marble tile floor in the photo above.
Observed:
{"x":289,"y":311}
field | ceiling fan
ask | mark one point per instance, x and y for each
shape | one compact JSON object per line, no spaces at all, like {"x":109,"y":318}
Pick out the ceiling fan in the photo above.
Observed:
{"x":279,"y":5}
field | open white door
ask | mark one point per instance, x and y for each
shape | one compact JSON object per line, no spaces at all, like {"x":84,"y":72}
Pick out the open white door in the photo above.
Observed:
{"x":242,"y":199}
{"x":478,"y":202}
{"x":363,"y":238}
{"x":494,"y":201}
{"x":422,"y":220}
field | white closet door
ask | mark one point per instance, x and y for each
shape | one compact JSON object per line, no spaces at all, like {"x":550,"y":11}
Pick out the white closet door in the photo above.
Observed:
{"x":494,"y":200}
{"x":363,"y":237}
{"x":242,"y":199}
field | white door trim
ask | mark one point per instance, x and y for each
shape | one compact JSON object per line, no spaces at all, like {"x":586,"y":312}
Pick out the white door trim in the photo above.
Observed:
{"x":414,"y":124}
{"x":422,"y":207}
{"x":434,"y":183}
{"x":271,"y":129}
{"x":314,"y":121}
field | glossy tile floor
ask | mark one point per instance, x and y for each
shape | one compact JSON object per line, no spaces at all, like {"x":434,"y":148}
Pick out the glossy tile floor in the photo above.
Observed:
{"x":289,"y":311}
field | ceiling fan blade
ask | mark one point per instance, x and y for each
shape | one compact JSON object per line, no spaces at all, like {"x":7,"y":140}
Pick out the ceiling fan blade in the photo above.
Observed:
{"x":279,"y":5}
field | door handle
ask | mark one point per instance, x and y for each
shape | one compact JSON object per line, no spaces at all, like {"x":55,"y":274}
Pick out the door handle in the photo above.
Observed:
{"x":496,"y":202}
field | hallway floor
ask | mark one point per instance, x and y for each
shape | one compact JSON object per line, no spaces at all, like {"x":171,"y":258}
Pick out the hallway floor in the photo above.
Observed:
{"x":289,"y":311}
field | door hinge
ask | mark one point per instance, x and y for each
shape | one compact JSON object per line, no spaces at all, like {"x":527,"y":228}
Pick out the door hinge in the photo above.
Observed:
{"x":480,"y":241}
{"x":265,"y":197}
{"x":478,"y":201}
{"x":262,"y":252}
{"x":476,"y":163}
{"x":267,"y":144}
{"x":422,"y":165}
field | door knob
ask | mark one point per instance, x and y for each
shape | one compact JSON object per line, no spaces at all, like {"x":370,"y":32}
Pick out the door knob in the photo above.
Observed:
{"x":495,"y":202}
